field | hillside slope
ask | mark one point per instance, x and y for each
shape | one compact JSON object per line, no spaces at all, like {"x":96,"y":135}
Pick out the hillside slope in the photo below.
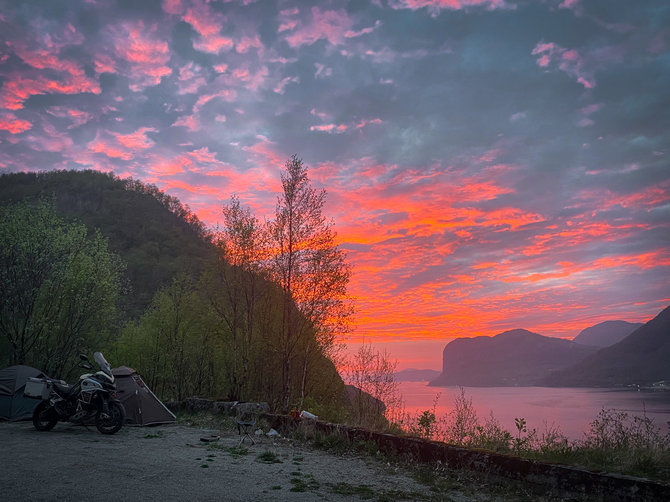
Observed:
{"x":153,"y":233}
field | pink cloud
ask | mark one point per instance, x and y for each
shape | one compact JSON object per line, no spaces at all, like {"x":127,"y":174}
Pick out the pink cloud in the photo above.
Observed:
{"x":280,"y":87}
{"x":287,"y":19}
{"x":17,"y":89}
{"x":187,"y":121}
{"x":66,"y":77}
{"x":9,"y":122}
{"x":136,"y":140}
{"x":146,"y":54}
{"x":191,"y":79}
{"x":246,"y":78}
{"x":112,"y":151}
{"x":435,"y":6}
{"x":78,"y":117}
{"x":569,"y":4}
{"x":330,"y":24}
{"x":174,"y":7}
{"x":228,"y":95}
{"x":566,"y":60}
{"x":248,"y":43}
{"x":364,"y":31}
{"x":341,"y":128}
{"x":208,"y":23}
{"x":203,"y":155}
{"x":53,"y":140}
{"x":104,"y":64}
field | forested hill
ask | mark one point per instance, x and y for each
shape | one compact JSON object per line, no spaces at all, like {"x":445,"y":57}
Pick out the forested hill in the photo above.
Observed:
{"x":153,"y":233}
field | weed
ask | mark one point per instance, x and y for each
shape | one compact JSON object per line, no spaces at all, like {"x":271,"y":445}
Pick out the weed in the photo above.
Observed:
{"x":298,"y":485}
{"x":205,"y":466}
{"x":335,"y":443}
{"x":158,"y":434}
{"x":275,"y":487}
{"x":363,"y":491}
{"x":268,"y":457}
{"x":303,"y":483}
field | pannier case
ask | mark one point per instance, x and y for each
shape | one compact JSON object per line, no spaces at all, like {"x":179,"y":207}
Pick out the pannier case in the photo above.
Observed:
{"x":37,"y":388}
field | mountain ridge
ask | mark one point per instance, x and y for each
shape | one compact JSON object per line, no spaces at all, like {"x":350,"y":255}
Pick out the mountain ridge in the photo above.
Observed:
{"x":606,"y":333}
{"x":516,"y":357}
{"x":642,"y":358}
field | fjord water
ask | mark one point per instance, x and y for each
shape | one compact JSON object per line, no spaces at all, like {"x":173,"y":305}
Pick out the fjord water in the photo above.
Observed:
{"x":571,"y":409}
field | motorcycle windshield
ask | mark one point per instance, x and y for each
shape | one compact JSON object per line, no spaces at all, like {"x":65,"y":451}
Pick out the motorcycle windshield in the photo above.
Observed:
{"x":102,"y":362}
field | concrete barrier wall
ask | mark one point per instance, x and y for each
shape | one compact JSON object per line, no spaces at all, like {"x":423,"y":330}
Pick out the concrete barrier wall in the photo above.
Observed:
{"x":552,"y":477}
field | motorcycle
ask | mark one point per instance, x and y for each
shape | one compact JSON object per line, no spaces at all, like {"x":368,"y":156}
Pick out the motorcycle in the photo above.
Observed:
{"x":92,"y":398}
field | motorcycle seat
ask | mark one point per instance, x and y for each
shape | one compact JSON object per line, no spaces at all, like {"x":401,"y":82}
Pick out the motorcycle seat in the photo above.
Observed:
{"x":63,"y":390}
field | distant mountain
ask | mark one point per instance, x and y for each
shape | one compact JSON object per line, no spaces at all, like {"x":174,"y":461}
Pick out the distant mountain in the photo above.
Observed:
{"x":415,"y":375}
{"x":606,"y":333}
{"x":643,"y":357}
{"x":516,"y":357}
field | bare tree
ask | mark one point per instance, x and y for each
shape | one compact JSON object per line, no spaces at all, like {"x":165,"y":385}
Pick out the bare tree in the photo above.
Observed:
{"x":376,"y":393}
{"x":311,"y":271}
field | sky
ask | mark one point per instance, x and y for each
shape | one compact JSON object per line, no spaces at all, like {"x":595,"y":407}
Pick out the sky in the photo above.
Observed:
{"x":489,"y":164}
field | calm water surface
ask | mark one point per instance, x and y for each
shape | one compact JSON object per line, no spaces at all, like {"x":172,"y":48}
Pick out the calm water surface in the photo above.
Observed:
{"x":571,"y":409}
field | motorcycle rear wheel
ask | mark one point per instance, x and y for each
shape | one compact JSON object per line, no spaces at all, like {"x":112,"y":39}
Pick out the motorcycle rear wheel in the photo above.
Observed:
{"x":113,"y":423}
{"x":43,"y":417}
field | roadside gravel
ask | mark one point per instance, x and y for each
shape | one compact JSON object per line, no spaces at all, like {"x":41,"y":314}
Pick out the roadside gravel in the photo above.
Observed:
{"x":73,"y":463}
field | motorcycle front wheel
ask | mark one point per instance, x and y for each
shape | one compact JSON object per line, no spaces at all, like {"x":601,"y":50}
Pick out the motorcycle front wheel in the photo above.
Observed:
{"x":44,"y":417}
{"x":114,"y":421}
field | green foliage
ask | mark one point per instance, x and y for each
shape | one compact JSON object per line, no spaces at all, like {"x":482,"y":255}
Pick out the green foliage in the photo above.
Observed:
{"x":153,"y":233}
{"x":173,"y":345}
{"x":268,"y":457}
{"x":59,"y":288}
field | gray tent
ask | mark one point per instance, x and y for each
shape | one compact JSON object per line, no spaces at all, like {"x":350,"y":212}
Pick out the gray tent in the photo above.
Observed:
{"x":142,"y":406}
{"x":13,"y":404}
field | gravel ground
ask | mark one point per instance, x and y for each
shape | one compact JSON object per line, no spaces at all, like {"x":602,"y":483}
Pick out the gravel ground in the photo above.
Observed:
{"x":169,"y":463}
{"x":72,"y":463}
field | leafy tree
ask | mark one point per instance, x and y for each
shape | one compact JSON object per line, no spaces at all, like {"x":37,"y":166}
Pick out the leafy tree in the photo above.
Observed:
{"x":310,"y":270}
{"x":173,"y":345}
{"x":59,"y":287}
{"x":235,"y":288}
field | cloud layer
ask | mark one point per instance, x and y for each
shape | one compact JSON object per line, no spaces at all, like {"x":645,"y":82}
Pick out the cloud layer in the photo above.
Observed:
{"x":489,"y":164}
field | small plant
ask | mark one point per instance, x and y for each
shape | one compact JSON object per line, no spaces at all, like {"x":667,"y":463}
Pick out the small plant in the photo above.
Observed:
{"x":268,"y":457}
{"x":234,"y":451}
{"x":301,"y":484}
{"x":363,"y":491}
{"x":158,"y":434}
{"x":426,"y":423}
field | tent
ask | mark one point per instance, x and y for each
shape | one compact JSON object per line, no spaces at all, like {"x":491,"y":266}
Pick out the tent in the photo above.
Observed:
{"x":13,"y":404}
{"x":142,"y":406}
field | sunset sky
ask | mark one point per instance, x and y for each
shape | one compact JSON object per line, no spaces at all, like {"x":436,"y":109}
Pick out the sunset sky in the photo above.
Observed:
{"x":489,"y":164}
